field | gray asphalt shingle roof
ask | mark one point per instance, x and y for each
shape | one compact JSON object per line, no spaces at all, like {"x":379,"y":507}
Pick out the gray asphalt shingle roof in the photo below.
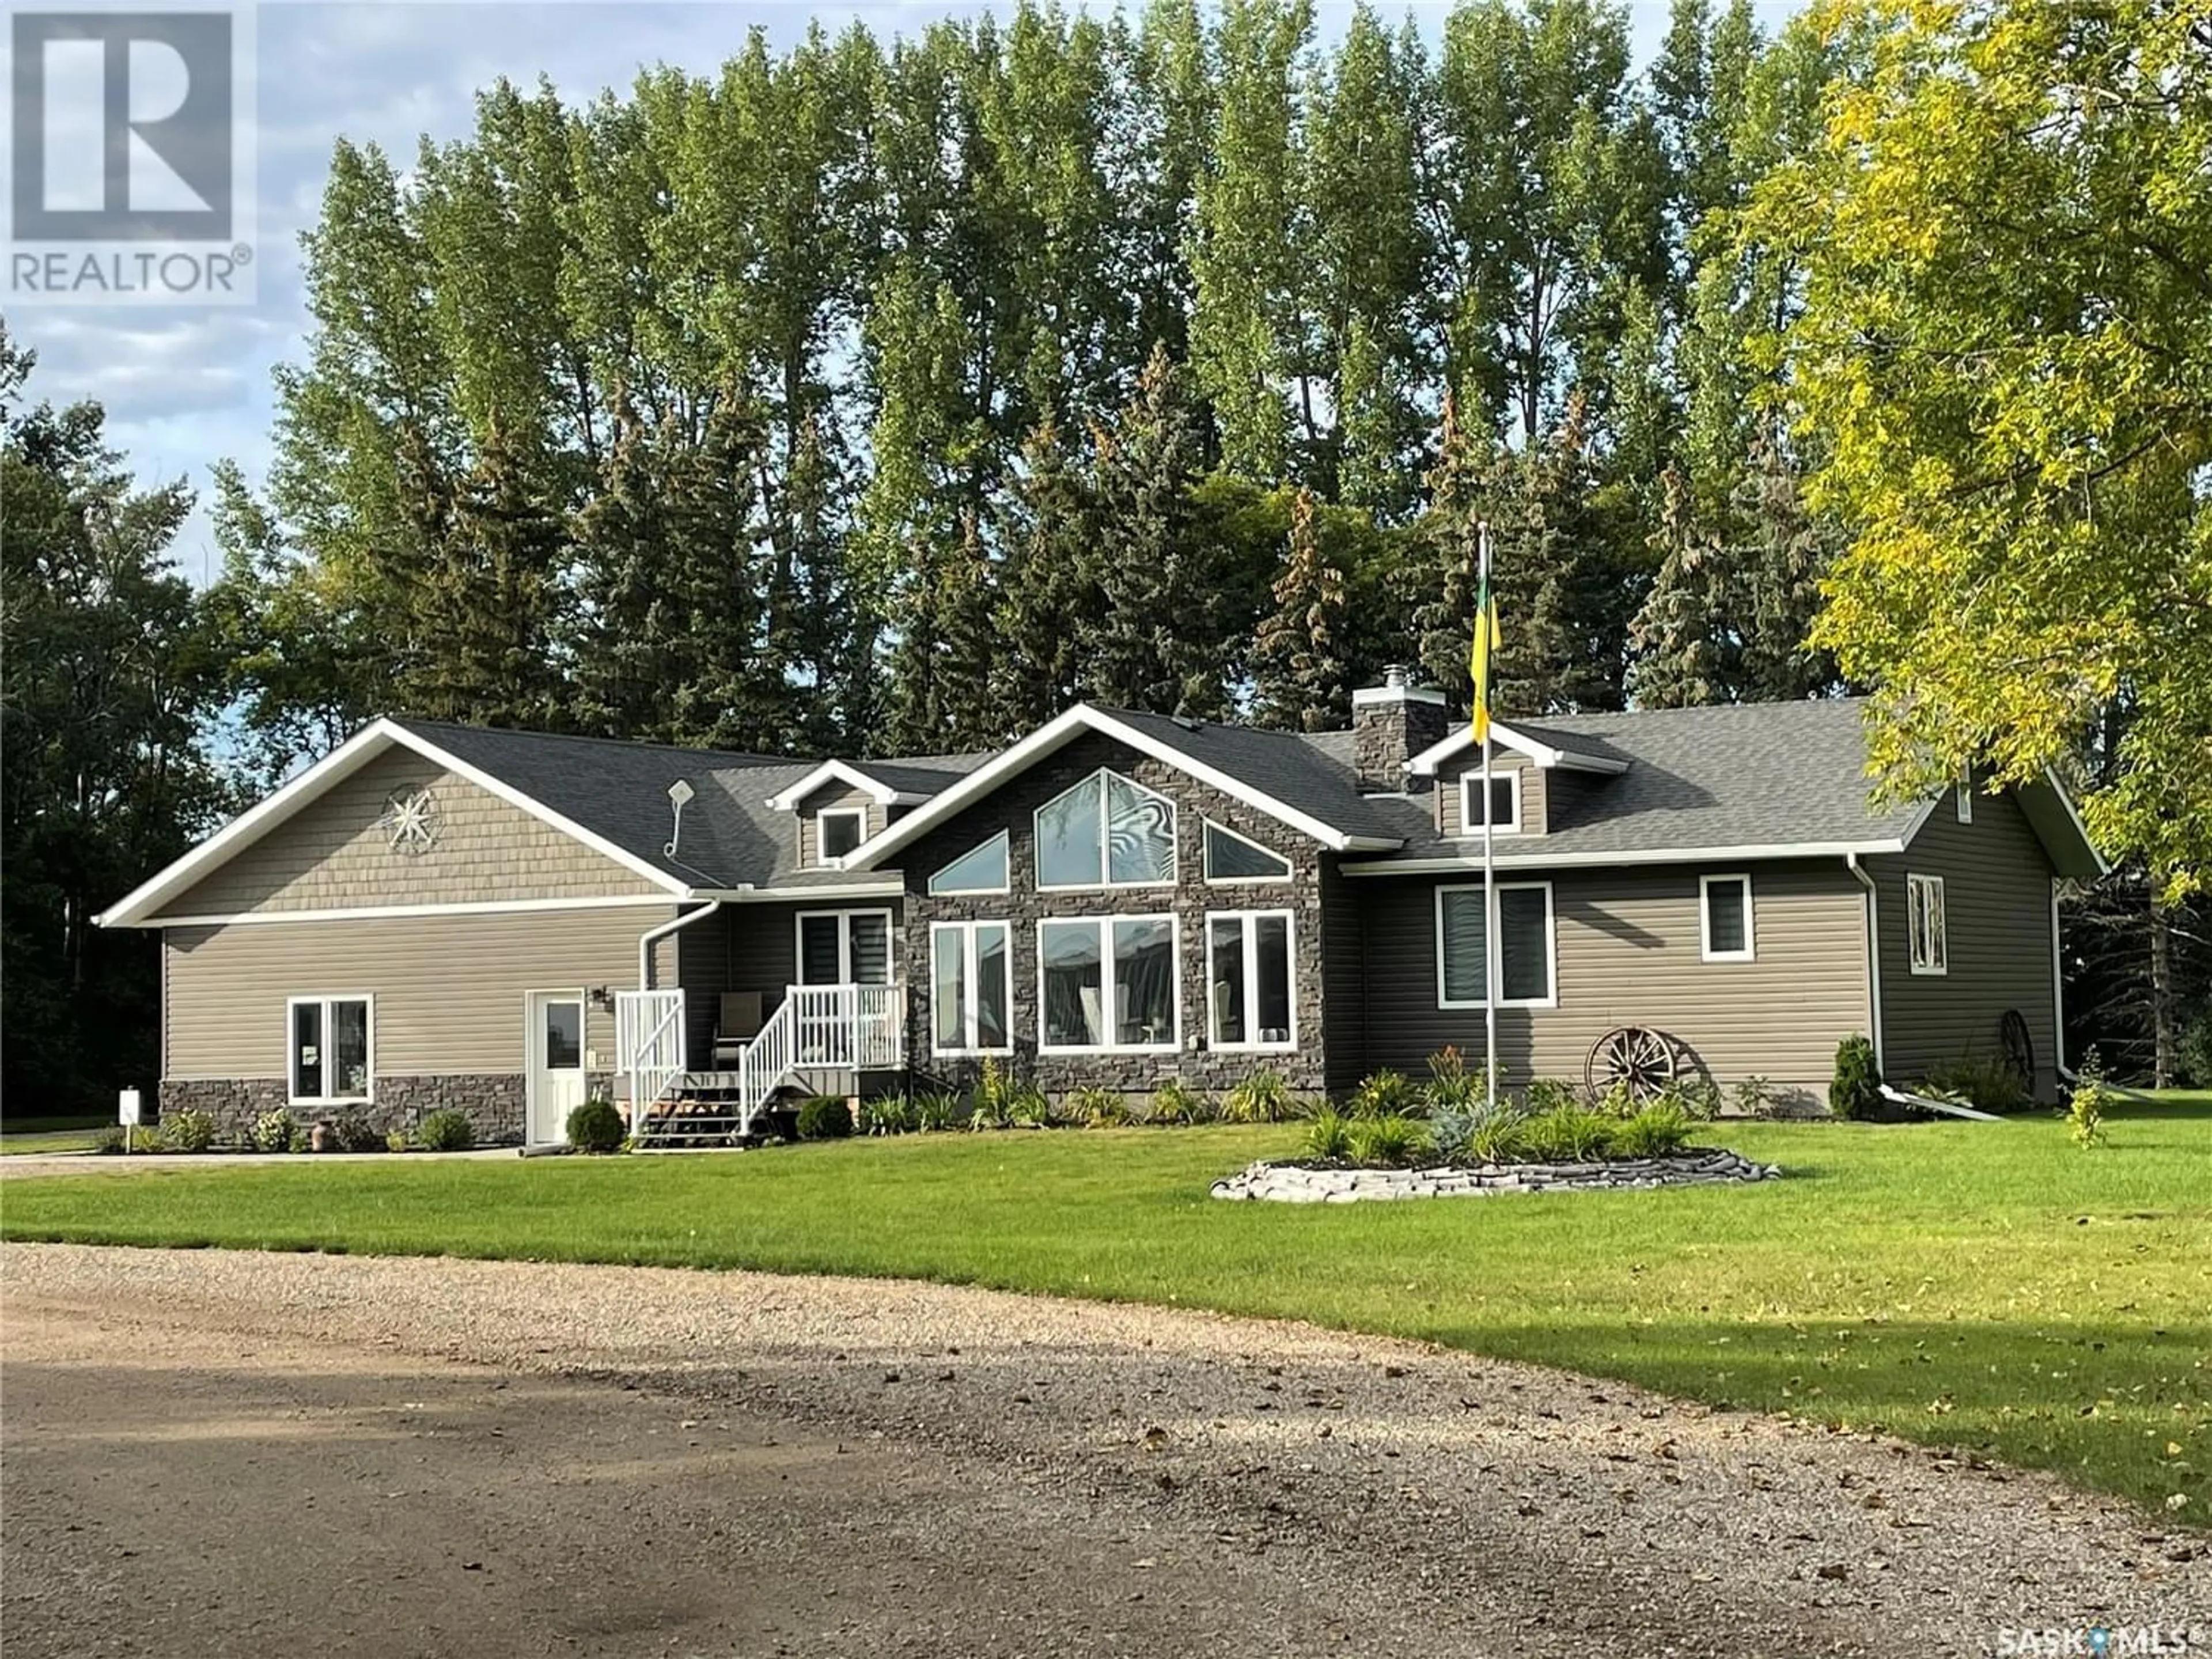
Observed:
{"x":1771,"y":775}
{"x":1742,"y":775}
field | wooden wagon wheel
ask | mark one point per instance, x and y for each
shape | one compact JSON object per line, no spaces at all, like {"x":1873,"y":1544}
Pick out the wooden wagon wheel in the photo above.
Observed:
{"x":2018,"y":1046}
{"x":1644,"y":1060}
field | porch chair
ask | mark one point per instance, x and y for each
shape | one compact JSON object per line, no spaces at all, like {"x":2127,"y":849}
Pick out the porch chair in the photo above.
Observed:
{"x":738,"y":1021}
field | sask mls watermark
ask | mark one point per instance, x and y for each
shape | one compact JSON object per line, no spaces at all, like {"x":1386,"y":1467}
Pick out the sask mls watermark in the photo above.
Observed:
{"x":130,"y":157}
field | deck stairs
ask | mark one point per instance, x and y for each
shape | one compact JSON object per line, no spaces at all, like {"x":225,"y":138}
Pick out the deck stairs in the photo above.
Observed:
{"x":822,"y":1039}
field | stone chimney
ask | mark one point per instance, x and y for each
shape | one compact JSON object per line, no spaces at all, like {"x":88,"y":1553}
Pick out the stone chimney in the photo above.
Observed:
{"x":1391,"y":723}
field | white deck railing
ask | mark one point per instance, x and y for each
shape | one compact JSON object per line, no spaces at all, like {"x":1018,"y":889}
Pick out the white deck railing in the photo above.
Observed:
{"x":648,"y":1045}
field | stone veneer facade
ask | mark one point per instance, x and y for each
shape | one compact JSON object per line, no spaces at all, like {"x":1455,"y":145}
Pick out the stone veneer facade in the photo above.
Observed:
{"x":1011,"y":808}
{"x":495,"y":1102}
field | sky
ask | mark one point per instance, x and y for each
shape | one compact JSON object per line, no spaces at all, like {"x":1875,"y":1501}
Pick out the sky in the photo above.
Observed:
{"x":186,"y":387}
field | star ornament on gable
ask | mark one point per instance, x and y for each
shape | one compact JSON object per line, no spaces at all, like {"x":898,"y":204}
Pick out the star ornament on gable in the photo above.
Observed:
{"x":410,"y":821}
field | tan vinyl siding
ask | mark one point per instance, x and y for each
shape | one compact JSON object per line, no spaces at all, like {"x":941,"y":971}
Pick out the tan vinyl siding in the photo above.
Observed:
{"x":1629,"y":948}
{"x":832,"y":796}
{"x":1532,"y":781}
{"x":449,"y":989}
{"x":1996,"y":905}
{"x":331,"y":856}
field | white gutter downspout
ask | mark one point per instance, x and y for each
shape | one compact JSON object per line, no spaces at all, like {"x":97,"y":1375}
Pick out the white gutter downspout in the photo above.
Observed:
{"x":1874,"y":960}
{"x":652,"y":935}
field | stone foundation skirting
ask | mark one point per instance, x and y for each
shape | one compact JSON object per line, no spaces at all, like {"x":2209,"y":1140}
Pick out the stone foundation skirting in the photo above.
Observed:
{"x":493,"y":1099}
{"x":1294,"y":1183}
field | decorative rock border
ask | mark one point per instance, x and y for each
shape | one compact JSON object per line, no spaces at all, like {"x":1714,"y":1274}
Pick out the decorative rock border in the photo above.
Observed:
{"x":1300,"y":1183}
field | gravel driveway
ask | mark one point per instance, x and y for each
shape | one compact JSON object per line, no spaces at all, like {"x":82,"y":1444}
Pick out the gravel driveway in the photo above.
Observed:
{"x":212,"y":1452}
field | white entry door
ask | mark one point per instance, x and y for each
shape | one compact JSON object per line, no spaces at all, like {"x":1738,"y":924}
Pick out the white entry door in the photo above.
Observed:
{"x":556,"y":1062}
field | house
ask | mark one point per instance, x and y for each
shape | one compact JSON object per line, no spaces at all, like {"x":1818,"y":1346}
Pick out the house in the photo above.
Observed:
{"x":435,"y":915}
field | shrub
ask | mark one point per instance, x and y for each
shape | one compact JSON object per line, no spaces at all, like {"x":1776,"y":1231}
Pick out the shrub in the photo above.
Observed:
{"x":1028,"y":1109}
{"x":1451,"y":1086}
{"x":396,"y":1141}
{"x":1385,"y":1094}
{"x":1989,"y":1084}
{"x":1619,"y":1102}
{"x":2196,"y":1049}
{"x":356,"y":1133}
{"x":1451,"y":1127}
{"x":597,"y":1126}
{"x":1566,"y":1135}
{"x":1262,"y":1097}
{"x":1660,"y":1128}
{"x":2085,"y":1107}
{"x":275,"y":1131}
{"x":938,"y":1109}
{"x":994,"y":1098}
{"x":1175,"y":1102}
{"x":825,"y":1118}
{"x":447,"y":1131}
{"x":1097,"y":1108}
{"x":109,"y":1140}
{"x":1387,"y":1141}
{"x":1753,"y":1096}
{"x":187,"y":1129}
{"x":1329,"y":1136}
{"x":1854,"y":1092}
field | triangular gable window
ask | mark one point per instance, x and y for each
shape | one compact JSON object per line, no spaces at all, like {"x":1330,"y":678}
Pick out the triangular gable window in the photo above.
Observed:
{"x":1230,"y":856}
{"x":979,"y":870}
{"x":1106,"y":832}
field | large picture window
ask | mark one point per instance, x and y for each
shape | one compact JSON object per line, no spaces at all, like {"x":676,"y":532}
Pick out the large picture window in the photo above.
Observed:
{"x":1108,"y":983}
{"x":1526,"y":976}
{"x":1249,"y":973}
{"x":970,"y":986}
{"x":329,"y":1049}
{"x":1106,"y":832}
{"x":1923,"y":925}
{"x":845,"y":947}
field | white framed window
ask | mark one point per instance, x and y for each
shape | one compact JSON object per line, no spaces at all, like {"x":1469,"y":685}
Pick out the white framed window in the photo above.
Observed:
{"x":983,"y":869}
{"x":1109,"y":983}
{"x":1725,"y":927}
{"x":844,"y":947}
{"x":331,"y":1043}
{"x":1962,"y":797}
{"x":1505,"y":800}
{"x":1232,"y":859}
{"x":971,"y":986}
{"x":1528,"y":974}
{"x":1106,"y":832}
{"x":837,"y":831}
{"x":1923,"y":925}
{"x":1251,"y":980}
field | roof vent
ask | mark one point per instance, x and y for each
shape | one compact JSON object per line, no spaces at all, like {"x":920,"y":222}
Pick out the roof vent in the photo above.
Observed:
{"x":678,"y":793}
{"x":1187,"y":723}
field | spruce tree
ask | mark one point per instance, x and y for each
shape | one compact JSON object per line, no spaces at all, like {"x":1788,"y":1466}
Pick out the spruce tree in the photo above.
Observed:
{"x":1048,"y":525}
{"x":1297,"y":660}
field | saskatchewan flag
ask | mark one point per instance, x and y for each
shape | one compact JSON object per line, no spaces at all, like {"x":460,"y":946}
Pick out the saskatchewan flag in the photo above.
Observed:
{"x":1485,"y":647}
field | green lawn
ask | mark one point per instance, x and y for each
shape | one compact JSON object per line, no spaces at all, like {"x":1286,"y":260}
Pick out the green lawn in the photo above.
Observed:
{"x":1979,"y":1285}
{"x":49,"y":1134}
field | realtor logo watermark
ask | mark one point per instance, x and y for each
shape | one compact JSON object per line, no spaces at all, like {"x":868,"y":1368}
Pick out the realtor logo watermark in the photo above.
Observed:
{"x":2102,"y":1641}
{"x":131,"y":156}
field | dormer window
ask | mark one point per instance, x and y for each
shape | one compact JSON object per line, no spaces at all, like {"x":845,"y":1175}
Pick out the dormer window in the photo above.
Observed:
{"x":1504,"y":803}
{"x":1106,"y":832}
{"x":837,"y":831}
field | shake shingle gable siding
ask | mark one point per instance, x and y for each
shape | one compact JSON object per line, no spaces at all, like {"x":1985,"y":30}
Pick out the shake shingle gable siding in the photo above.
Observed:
{"x":1012,"y":808}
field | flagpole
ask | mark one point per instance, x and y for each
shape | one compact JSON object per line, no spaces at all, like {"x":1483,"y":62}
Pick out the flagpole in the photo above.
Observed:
{"x":1490,"y":954}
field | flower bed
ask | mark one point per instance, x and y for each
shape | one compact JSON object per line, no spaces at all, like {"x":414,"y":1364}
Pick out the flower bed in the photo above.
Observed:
{"x":1327,"y":1184}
